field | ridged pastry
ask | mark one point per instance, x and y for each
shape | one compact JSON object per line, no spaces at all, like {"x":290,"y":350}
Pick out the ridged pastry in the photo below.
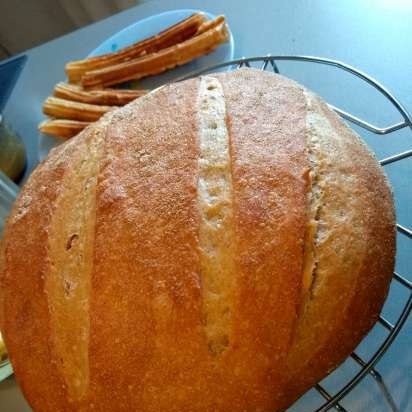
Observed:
{"x":108,"y":97}
{"x":62,"y":128}
{"x":159,"y":62}
{"x":177,"y":33}
{"x":69,"y":109}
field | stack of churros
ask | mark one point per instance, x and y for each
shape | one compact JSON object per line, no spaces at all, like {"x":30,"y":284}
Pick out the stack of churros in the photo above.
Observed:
{"x":86,"y":96}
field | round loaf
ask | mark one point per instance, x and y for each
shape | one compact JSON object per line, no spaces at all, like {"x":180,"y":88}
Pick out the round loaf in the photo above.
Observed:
{"x":220,"y":244}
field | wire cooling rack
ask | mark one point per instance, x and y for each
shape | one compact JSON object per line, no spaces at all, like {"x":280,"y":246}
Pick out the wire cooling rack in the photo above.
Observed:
{"x":368,"y":366}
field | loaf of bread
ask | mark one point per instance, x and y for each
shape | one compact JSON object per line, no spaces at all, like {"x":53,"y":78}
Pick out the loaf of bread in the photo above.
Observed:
{"x":218,"y":245}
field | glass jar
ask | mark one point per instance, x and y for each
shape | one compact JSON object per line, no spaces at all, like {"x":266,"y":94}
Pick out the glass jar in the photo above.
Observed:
{"x":12,"y":152}
{"x":8,"y":193}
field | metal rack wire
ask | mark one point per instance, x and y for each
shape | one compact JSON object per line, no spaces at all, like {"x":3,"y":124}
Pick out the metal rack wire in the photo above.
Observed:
{"x":392,"y":329}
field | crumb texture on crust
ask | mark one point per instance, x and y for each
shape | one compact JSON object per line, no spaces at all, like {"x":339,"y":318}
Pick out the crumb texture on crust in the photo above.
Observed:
{"x":216,"y":232}
{"x":204,"y":248}
{"x":269,"y":177}
{"x":352,"y":245}
{"x":28,"y":325}
{"x":71,"y":249}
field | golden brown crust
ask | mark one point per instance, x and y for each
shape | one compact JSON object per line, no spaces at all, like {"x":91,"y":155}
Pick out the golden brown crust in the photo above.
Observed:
{"x":146,"y":197}
{"x":269,"y":184}
{"x":141,"y":294}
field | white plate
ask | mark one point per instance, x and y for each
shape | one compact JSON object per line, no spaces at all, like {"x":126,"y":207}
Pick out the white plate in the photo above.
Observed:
{"x":139,"y":31}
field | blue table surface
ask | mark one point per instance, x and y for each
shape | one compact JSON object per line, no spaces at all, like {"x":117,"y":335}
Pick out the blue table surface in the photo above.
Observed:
{"x":373,"y":36}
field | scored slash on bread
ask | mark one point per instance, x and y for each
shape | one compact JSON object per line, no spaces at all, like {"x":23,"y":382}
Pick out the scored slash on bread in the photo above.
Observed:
{"x":172,"y":35}
{"x":159,"y":62}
